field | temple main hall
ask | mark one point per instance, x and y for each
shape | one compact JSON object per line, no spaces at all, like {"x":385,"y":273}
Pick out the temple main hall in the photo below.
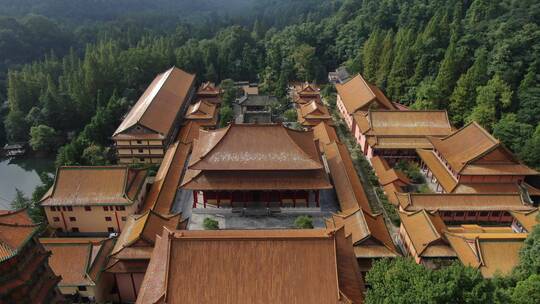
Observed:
{"x":255,"y":165}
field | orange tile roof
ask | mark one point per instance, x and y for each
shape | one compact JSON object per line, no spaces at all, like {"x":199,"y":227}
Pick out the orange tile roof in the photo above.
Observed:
{"x":406,"y":123}
{"x":366,"y":230}
{"x":249,"y":90}
{"x":208,"y":89}
{"x":357,"y":93}
{"x":189,"y":132}
{"x":306,"y":89}
{"x":303,"y":266}
{"x":78,"y":261}
{"x":325,"y":134}
{"x":256,"y":180}
{"x":16,"y":228}
{"x":425,"y":229}
{"x":394,"y":129}
{"x":313,"y":113}
{"x":386,"y":174}
{"x":145,"y":227}
{"x":255,"y":147}
{"x":95,"y":185}
{"x":473,"y":151}
{"x":347,"y":184}
{"x":487,"y":188}
{"x":255,"y":157}
{"x":489,"y":252}
{"x":163,"y":191}
{"x":527,"y":219}
{"x":462,"y":202}
{"x":202,"y":109}
{"x":447,"y":181}
{"x":158,"y":107}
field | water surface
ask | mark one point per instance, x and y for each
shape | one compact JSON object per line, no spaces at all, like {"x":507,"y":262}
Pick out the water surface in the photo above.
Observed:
{"x":22,"y":174}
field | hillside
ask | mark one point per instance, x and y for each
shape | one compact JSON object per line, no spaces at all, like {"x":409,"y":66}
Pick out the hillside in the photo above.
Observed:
{"x":477,"y":59}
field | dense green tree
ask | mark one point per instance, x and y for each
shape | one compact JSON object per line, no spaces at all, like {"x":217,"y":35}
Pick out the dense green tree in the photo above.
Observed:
{"x":529,"y":257}
{"x":305,"y":62}
{"x":527,"y":291}
{"x":95,"y":155}
{"x":32,"y":207}
{"x":371,"y":53}
{"x":463,"y":97}
{"x":16,"y":126}
{"x":530,"y":152}
{"x":492,"y":98}
{"x":529,"y":96}
{"x":401,"y":280}
{"x":513,"y":133}
{"x":402,"y":67}
{"x":43,"y":138}
{"x":229,"y":91}
{"x":290,"y":115}
{"x":386,"y":58}
{"x":226,"y":115}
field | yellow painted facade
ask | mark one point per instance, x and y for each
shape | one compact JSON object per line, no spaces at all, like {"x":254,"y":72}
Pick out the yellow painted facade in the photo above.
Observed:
{"x":92,"y":218}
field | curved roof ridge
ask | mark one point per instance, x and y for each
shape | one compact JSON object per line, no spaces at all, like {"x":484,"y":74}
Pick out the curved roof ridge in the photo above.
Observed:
{"x":302,"y":151}
{"x":221,"y":135}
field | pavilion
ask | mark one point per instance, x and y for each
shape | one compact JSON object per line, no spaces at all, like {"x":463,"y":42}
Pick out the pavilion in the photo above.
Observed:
{"x":255,"y":165}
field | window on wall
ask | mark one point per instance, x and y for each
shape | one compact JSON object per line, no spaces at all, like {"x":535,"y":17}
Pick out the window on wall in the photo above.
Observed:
{"x":69,"y":208}
{"x":72,"y":219}
{"x":105,"y":208}
{"x":108,"y":218}
{"x":56,"y":219}
{"x":120,"y":208}
{"x":110,"y":229}
{"x":124,"y":218}
{"x":75,"y":229}
{"x":87,"y":208}
{"x":53,"y":208}
{"x":81,"y":288}
{"x":141,"y":151}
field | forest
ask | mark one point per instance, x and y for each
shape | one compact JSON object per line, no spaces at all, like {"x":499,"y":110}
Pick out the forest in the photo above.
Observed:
{"x":68,"y":75}
{"x":66,"y":87}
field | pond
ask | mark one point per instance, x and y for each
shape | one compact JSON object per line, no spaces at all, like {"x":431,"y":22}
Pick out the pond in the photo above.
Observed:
{"x":22,"y":174}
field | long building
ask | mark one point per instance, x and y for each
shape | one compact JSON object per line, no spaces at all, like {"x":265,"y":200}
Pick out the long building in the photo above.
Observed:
{"x":80,"y":263}
{"x":94,"y":199}
{"x":151,"y":125}
{"x":253,"y":266}
{"x":25,"y":274}
{"x":471,"y":157}
{"x":255,"y":165}
{"x":468,"y":207}
{"x":131,"y":254}
{"x":396,"y":135}
{"x":357,"y":95}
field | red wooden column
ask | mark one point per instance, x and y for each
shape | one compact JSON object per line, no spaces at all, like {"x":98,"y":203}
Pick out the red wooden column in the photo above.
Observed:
{"x":294,"y":199}
{"x":204,"y":199}
{"x":195,"y":199}
{"x":217,"y":198}
{"x":317,"y":197}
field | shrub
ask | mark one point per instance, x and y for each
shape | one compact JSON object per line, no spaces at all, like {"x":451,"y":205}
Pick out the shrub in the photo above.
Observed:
{"x":210,"y":224}
{"x":304,"y":222}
